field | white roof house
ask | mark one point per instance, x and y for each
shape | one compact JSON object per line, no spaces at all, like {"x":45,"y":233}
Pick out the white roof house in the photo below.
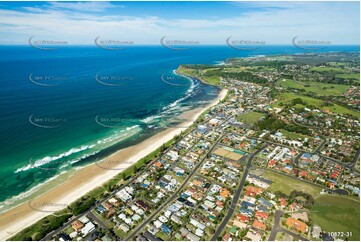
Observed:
{"x":84,"y":219}
{"x":157,"y":224}
{"x":124,"y":227}
{"x":89,"y":227}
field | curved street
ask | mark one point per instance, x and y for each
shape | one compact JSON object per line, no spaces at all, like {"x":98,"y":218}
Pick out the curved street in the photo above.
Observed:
{"x":277,"y":228}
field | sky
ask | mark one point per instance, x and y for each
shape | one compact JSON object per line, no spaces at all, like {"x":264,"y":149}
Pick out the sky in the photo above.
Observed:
{"x":204,"y":22}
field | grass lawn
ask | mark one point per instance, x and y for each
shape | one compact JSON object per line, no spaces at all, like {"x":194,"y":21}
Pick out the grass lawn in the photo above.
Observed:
{"x":238,"y":69}
{"x":287,"y":185}
{"x":328,"y":69}
{"x":250,"y":118}
{"x":355,"y":76}
{"x":68,"y":230}
{"x":212,"y":80}
{"x":120,"y":233}
{"x":279,"y":236}
{"x":163,"y":236}
{"x":292,"y":135}
{"x":319,"y":88}
{"x":178,"y":178}
{"x":336,"y":64}
{"x":337,"y":214}
{"x":287,"y":97}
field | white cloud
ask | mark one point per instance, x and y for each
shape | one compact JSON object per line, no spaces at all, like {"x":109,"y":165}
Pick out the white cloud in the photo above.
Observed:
{"x":83,"y":6}
{"x":338,"y":23}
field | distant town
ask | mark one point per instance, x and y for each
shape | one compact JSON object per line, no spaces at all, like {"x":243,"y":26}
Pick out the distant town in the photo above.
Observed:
{"x":276,"y":159}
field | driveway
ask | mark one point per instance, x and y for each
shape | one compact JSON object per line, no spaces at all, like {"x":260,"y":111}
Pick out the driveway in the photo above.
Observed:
{"x":278,"y":229}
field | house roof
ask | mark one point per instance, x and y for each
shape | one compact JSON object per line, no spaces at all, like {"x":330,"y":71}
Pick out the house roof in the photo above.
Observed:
{"x":297,"y":224}
{"x":76,"y":225}
{"x":283,"y":201}
{"x":243,"y":217}
{"x":258,"y":224}
{"x":224,"y":192}
{"x":261,"y":215}
{"x":239,"y":224}
{"x":226,"y":237}
{"x":158,"y":164}
{"x":250,"y":190}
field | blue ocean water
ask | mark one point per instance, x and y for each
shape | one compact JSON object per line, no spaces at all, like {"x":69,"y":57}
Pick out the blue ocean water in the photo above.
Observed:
{"x":65,"y":108}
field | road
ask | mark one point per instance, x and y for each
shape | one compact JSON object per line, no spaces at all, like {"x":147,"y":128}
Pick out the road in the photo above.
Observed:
{"x":352,"y":165}
{"x":277,"y":228}
{"x":103,"y":225}
{"x":98,"y":221}
{"x":54,"y":232}
{"x":232,"y":206}
{"x":175,"y":195}
{"x":235,"y":196}
{"x":348,"y":165}
{"x":276,"y":225}
{"x":320,"y":146}
{"x":297,"y":158}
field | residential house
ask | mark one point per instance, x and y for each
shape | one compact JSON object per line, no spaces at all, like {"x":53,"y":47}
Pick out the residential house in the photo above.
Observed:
{"x":259,"y":225}
{"x":297,"y":225}
{"x":77,"y":225}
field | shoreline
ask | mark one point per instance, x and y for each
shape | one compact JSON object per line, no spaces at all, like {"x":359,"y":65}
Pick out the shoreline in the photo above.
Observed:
{"x":194,"y":77}
{"x":89,"y":177}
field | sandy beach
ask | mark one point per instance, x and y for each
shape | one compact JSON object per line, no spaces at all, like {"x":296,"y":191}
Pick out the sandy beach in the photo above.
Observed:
{"x":90,"y":177}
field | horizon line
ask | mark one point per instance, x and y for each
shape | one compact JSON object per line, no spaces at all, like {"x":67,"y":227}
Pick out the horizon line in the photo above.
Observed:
{"x":193,"y":46}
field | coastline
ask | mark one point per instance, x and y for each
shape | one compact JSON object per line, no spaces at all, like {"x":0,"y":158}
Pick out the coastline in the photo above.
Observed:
{"x":92,"y":176}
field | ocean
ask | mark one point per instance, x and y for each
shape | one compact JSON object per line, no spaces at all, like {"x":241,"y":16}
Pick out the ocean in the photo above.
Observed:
{"x":66,"y":108}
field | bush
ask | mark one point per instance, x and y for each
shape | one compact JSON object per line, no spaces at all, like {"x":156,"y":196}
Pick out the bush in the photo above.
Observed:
{"x":41,"y":228}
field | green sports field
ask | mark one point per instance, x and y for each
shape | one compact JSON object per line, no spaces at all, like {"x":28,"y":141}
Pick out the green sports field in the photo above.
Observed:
{"x":250,"y":118}
{"x":287,"y":97}
{"x":322,"y":89}
{"x":287,"y":184}
{"x":337,"y":214}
